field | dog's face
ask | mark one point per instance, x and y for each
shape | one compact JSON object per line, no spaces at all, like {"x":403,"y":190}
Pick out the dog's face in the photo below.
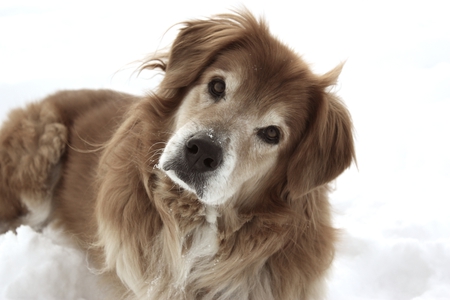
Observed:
{"x":223,"y":138}
{"x":245,"y":110}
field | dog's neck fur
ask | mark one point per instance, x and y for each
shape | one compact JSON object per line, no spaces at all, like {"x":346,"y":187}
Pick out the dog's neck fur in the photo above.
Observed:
{"x":190,"y":239}
{"x":192,"y":251}
{"x":199,"y":242}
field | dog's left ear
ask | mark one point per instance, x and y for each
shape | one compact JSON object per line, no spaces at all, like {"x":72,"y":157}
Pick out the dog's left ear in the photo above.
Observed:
{"x":326,"y":148}
{"x":196,"y":45}
{"x":194,"y":48}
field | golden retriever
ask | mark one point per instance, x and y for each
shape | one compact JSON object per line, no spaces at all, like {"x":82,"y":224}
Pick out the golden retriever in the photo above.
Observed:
{"x":213,"y":187}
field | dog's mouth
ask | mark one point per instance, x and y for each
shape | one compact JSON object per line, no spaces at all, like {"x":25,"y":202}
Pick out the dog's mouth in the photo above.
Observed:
{"x":195,"y":162}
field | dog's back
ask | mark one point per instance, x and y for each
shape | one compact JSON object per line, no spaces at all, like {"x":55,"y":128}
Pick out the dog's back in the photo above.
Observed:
{"x":66,"y":131}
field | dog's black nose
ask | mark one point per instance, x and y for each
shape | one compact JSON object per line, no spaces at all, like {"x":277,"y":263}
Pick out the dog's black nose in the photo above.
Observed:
{"x":202,"y":153}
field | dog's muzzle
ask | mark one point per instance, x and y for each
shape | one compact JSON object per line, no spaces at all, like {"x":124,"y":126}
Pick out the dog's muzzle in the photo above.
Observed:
{"x":195,"y":162}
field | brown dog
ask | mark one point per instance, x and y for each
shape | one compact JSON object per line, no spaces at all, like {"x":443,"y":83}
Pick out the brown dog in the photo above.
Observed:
{"x":214,"y":187}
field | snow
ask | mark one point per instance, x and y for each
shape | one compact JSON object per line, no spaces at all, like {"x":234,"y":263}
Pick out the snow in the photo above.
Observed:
{"x":392,"y":209}
{"x":43,"y":266}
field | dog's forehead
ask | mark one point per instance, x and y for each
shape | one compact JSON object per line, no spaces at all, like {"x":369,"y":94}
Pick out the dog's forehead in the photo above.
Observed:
{"x":270,"y":86}
{"x":267,"y":75}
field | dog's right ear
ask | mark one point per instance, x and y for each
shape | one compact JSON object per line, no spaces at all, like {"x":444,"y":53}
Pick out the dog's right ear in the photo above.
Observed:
{"x":196,"y":46}
{"x":327,"y":148}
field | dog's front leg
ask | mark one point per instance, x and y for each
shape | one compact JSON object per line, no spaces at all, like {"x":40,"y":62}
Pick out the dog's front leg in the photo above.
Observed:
{"x":32,"y":141}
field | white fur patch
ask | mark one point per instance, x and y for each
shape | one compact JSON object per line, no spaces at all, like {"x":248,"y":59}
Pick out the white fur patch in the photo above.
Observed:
{"x":204,"y":245}
{"x":39,"y":212}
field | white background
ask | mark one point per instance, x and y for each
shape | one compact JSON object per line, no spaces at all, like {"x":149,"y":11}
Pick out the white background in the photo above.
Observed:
{"x":393,"y":209}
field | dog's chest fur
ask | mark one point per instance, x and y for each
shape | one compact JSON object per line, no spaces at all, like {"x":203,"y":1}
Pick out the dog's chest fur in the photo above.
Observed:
{"x":190,"y":236}
{"x":199,"y":246}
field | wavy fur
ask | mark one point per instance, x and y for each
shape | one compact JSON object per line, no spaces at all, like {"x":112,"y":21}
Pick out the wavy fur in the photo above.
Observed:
{"x":272,"y":239}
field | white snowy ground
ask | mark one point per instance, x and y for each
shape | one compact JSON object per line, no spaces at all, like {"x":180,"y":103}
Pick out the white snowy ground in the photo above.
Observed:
{"x":394,"y":209}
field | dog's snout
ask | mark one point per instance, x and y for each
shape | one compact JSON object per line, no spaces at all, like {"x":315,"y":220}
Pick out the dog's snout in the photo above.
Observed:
{"x":203,"y":154}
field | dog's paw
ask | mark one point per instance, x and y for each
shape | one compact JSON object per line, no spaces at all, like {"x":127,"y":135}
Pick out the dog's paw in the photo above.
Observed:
{"x":32,"y":142}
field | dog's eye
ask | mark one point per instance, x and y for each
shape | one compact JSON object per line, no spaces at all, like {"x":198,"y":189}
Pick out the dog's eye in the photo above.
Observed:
{"x":270,"y":134}
{"x":216,"y":88}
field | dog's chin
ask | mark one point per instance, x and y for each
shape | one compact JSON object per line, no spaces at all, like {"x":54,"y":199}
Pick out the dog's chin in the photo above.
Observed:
{"x":203,"y":194}
{"x":173,"y":176}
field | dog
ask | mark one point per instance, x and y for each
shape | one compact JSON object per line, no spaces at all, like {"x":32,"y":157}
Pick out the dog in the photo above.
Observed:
{"x":212,"y":187}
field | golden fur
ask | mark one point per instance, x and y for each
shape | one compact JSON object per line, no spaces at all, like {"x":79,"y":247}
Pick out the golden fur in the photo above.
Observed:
{"x":94,"y":158}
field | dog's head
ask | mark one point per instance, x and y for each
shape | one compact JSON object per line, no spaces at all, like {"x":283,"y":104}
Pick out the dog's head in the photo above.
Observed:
{"x":250,"y":113}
